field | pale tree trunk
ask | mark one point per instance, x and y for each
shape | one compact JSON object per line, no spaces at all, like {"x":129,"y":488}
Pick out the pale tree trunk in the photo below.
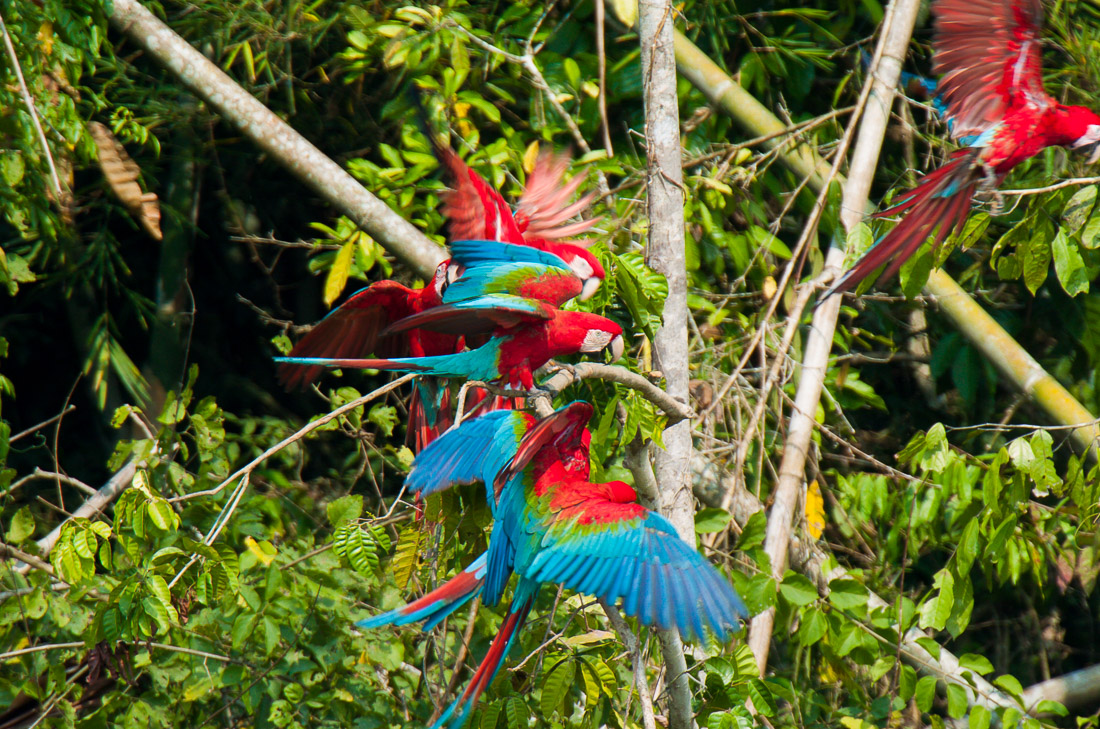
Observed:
{"x":277,"y":138}
{"x":894,"y":43}
{"x":666,"y":255}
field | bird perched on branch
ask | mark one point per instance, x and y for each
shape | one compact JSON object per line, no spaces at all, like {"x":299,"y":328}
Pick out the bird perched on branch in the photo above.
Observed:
{"x":989,"y":56}
{"x":554,"y":525}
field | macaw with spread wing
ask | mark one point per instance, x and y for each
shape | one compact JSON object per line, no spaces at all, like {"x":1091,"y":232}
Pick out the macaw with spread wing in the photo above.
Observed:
{"x":475,"y":212}
{"x":554,"y":525}
{"x":989,"y":55}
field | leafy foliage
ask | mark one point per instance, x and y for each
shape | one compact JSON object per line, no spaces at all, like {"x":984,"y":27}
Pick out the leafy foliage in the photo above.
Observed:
{"x":222,"y":582}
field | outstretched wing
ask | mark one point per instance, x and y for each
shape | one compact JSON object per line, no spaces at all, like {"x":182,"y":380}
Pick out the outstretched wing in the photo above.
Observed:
{"x":562,"y":431}
{"x":550,"y":284}
{"x":990,"y":56}
{"x":545,"y":204}
{"x":473,"y":209}
{"x":474,"y":451}
{"x":353,"y":330}
{"x":481,"y":315}
{"x":600,"y":542}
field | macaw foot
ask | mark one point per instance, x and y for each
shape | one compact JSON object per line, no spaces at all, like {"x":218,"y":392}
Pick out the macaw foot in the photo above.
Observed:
{"x":561,"y":367}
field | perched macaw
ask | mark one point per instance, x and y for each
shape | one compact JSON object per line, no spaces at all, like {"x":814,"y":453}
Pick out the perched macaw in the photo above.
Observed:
{"x":553,"y":525}
{"x":474,"y":211}
{"x":989,"y":54}
{"x":526,"y":335}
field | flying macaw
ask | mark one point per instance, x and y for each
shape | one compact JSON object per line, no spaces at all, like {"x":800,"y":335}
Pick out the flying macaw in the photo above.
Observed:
{"x":989,"y":54}
{"x":553,"y":525}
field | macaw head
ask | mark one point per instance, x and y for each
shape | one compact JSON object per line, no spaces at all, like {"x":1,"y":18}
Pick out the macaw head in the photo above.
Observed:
{"x":581,"y":262}
{"x":1082,"y":126}
{"x":602,"y":334}
{"x":442,"y":277}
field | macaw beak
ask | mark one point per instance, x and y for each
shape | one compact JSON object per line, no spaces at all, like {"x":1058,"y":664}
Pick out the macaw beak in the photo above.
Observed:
{"x":1094,"y":157}
{"x":616,"y":347}
{"x":590,"y":287}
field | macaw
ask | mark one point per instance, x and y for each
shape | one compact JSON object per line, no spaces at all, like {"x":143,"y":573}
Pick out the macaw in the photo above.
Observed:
{"x":990,"y":56}
{"x":526,"y":334}
{"x":474,"y":211}
{"x":553,"y":525}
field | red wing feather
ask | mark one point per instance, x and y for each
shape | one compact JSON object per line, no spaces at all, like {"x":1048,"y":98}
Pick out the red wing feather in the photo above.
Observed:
{"x":353,"y":330}
{"x":942,"y":199}
{"x":989,"y":55}
{"x":474,"y":210}
{"x":545,"y":204}
{"x":562,"y":429}
{"x":450,"y":319}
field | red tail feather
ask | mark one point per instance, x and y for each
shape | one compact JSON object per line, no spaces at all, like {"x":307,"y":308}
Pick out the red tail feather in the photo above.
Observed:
{"x":939,"y":204}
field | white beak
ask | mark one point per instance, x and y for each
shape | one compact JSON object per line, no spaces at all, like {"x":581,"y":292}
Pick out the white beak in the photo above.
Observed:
{"x":590,"y":287}
{"x":616,"y":347}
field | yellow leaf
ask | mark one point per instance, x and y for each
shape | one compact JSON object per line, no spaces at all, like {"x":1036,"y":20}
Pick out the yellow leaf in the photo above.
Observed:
{"x":626,"y":11}
{"x":462,"y":109}
{"x":338,"y":274}
{"x":45,"y":37}
{"x":815,"y":510}
{"x":530,"y":156}
{"x":254,"y":547}
{"x":770,"y":288}
{"x":590,"y":89}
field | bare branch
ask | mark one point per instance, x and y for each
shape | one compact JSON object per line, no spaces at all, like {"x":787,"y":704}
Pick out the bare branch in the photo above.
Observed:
{"x":277,"y":138}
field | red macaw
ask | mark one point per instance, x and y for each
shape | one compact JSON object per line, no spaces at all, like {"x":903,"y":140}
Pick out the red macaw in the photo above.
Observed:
{"x":526,"y":335}
{"x":553,"y":525}
{"x":474,"y":211}
{"x":990,"y":56}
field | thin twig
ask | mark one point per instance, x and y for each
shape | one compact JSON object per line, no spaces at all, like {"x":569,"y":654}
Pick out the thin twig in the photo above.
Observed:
{"x":41,"y":425}
{"x":29,"y":101}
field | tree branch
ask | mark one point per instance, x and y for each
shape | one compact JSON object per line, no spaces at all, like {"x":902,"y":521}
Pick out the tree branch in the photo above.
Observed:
{"x":277,"y":138}
{"x":879,"y":94}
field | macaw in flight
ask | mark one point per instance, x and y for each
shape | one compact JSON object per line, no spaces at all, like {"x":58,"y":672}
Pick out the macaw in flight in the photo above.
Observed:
{"x":554,"y":525}
{"x":474,"y":211}
{"x":989,"y":55}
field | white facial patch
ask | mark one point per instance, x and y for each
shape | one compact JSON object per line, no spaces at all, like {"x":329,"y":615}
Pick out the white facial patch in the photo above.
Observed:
{"x":595,"y":340}
{"x":1091,"y":136}
{"x":581,"y":267}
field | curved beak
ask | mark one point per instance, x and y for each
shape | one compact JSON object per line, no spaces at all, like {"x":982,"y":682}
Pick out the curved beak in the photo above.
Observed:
{"x":591,"y":285}
{"x":616,"y":347}
{"x":1095,"y":156}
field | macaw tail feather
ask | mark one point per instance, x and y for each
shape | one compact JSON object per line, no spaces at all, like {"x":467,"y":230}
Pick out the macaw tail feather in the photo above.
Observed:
{"x":429,"y":414}
{"x":460,"y":709}
{"x":437,"y":604}
{"x":939,"y":204}
{"x":476,"y":364}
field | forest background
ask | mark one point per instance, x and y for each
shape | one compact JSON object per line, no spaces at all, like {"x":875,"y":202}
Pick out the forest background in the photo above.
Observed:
{"x":178,"y":552}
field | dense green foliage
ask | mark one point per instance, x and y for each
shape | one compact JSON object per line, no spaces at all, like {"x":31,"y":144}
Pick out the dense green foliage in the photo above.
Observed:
{"x":236,"y":607}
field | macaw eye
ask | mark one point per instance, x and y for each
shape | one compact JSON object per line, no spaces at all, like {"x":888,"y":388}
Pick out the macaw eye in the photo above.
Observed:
{"x":595,"y":340}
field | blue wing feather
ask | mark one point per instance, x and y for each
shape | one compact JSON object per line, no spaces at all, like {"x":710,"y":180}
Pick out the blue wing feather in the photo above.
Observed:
{"x":476,"y":252}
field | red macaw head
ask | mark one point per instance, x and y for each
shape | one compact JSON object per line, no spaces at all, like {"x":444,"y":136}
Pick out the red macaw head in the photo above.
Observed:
{"x":585,"y":265}
{"x":1081,"y":126}
{"x":599,"y":334}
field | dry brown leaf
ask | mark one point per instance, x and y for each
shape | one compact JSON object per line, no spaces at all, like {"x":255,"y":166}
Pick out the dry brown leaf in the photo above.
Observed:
{"x":122,"y":175}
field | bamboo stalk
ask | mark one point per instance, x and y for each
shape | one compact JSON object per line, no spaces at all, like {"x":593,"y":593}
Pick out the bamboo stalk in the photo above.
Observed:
{"x":277,"y":138}
{"x":1017,"y":366}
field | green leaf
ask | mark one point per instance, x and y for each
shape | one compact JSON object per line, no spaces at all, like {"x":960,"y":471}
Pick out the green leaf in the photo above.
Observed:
{"x":515,"y":713}
{"x":344,"y":509}
{"x":406,"y":554}
{"x":1079,"y":209}
{"x":385,"y":417}
{"x":21,"y":527}
{"x":1069,"y":265}
{"x":752,"y":534}
{"x":937,"y":608}
{"x":797,"y":590}
{"x":1036,"y":260}
{"x":976,"y":663}
{"x":556,"y":686}
{"x":956,"y":701}
{"x":847,"y":594}
{"x":710,"y":520}
{"x":980,"y":717}
{"x":761,"y":696}
{"x":925,"y":693}
{"x":1010,"y":684}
